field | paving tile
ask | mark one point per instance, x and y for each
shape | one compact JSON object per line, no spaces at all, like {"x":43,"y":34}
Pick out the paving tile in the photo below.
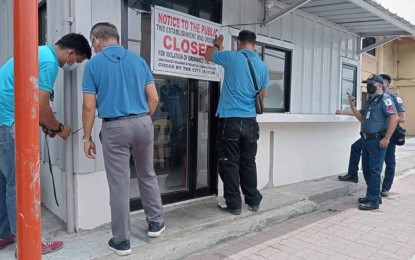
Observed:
{"x":75,"y":249}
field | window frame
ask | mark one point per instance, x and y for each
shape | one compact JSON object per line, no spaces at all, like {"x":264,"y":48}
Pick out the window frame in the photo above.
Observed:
{"x":42,"y":26}
{"x":355,"y":83}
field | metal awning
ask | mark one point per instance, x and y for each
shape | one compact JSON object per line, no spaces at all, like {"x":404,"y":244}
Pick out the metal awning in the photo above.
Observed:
{"x":365,"y":18}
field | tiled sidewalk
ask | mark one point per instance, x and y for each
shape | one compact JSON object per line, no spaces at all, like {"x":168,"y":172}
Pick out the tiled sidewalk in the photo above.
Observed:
{"x":338,"y":230}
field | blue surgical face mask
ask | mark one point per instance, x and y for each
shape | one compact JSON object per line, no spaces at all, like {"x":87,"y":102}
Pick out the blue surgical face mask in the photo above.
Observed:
{"x":68,"y":67}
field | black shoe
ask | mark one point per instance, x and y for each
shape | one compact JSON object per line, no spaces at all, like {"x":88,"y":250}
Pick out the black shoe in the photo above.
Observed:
{"x":364,"y":200}
{"x":155,"y":229}
{"x":384,"y":193}
{"x":349,"y":177}
{"x":369,"y":205}
{"x":122,"y":248}
{"x":253,"y":207}
{"x":224,"y":207}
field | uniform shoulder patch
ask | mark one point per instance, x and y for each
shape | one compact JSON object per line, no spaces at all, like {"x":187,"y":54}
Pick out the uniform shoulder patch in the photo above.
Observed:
{"x":399,"y":100}
{"x":388,"y":102}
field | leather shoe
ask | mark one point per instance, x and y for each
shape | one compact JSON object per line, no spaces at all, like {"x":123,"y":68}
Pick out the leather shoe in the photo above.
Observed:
{"x":253,"y":207}
{"x":349,"y":177}
{"x":370,"y":205}
{"x":384,"y":193}
{"x":364,"y":200}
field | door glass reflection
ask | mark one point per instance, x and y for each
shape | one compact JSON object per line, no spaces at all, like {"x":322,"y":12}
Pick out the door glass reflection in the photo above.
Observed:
{"x":170,"y":137}
{"x":203,"y":135}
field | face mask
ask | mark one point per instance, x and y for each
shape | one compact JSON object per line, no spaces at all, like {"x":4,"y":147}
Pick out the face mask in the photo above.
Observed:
{"x":371,"y":89}
{"x":68,"y":67}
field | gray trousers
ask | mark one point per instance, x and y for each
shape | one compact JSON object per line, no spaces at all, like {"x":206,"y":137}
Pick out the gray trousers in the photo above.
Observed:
{"x":120,"y":139}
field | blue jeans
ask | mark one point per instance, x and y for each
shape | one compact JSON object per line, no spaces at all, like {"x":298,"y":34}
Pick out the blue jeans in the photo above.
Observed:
{"x":372,"y":161}
{"x":7,"y":182}
{"x":390,"y":162}
{"x":354,"y":159}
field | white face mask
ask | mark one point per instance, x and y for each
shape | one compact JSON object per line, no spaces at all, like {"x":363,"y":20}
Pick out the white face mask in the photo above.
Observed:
{"x":68,"y":67}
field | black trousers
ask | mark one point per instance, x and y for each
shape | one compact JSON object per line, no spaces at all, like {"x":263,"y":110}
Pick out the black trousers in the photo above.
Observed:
{"x":237,"y":148}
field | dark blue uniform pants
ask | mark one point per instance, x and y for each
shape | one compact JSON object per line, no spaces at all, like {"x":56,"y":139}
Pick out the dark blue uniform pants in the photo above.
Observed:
{"x":354,"y":159}
{"x":390,"y":162}
{"x":237,"y":148}
{"x":372,"y":162}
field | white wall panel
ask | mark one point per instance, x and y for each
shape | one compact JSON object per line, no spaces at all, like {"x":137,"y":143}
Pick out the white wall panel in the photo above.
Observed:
{"x":318,"y":48}
{"x":87,"y":13}
{"x":6,"y":30}
{"x":298,"y":159}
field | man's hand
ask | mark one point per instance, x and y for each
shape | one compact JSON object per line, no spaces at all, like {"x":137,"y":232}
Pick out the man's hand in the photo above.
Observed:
{"x":352,"y":101}
{"x":219,"y":41}
{"x":384,"y":142}
{"x":48,"y":132}
{"x":90,"y":149}
{"x":338,"y":112}
{"x":65,"y":132}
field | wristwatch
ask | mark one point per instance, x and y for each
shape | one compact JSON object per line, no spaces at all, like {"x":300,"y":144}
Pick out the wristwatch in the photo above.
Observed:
{"x":60,"y":128}
{"x":84,"y":140}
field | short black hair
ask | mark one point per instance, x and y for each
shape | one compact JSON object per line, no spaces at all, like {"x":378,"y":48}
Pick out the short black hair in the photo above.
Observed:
{"x":246,"y":36}
{"x":105,"y":31}
{"x":75,"y":41}
{"x":386,"y":77}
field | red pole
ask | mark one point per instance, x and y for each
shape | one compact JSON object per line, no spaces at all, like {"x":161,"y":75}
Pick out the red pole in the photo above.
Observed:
{"x":26,"y":102}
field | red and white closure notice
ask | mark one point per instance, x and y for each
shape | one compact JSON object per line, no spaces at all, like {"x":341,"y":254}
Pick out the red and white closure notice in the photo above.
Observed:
{"x":178,"y":43}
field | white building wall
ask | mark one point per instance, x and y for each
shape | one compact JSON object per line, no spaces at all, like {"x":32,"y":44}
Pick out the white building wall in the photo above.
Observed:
{"x":317,"y":47}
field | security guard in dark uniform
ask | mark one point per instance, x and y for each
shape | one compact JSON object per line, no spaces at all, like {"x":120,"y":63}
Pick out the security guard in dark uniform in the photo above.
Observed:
{"x":379,"y":119}
{"x":390,"y":159}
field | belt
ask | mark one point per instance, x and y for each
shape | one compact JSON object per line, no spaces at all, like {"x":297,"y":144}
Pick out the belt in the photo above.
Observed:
{"x":372,"y":136}
{"x":124,"y":117}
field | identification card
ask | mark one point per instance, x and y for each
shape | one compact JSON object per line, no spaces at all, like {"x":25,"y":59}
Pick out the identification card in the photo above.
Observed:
{"x":368,"y":115}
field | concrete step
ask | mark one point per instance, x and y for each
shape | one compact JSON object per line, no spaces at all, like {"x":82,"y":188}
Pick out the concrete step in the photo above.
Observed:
{"x":187,"y":223}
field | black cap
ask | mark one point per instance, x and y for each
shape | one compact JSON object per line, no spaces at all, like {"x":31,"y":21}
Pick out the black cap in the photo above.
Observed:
{"x":372,"y":79}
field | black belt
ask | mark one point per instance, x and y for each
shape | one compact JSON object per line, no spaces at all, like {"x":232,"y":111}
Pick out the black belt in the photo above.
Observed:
{"x":124,"y":117}
{"x":372,"y":136}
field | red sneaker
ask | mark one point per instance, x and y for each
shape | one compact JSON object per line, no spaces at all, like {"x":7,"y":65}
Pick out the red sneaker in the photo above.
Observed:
{"x":49,"y":247}
{"x":6,"y":241}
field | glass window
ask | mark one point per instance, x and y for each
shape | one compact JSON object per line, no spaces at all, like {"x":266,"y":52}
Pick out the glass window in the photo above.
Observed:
{"x":349,"y":78}
{"x":279,"y":63}
{"x":276,"y":61}
{"x":367,"y":42}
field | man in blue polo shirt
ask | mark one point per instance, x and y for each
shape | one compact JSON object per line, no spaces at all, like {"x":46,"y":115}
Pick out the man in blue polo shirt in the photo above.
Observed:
{"x":120,"y":86}
{"x":66,"y":53}
{"x":238,"y":130}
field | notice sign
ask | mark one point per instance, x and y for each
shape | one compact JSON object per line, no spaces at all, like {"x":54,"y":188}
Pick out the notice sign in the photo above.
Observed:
{"x":178,"y":43}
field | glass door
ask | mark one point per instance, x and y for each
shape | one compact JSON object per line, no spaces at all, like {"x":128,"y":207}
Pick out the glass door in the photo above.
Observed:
{"x":184,"y":123}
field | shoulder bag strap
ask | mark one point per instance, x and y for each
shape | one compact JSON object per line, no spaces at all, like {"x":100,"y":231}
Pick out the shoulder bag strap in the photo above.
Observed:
{"x":251,"y":69}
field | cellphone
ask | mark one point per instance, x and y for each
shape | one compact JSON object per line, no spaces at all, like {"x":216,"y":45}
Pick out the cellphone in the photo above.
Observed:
{"x":347,"y":92}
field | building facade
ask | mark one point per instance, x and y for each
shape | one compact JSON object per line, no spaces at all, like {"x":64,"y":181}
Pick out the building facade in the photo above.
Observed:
{"x":312,"y":49}
{"x":397,"y":59}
